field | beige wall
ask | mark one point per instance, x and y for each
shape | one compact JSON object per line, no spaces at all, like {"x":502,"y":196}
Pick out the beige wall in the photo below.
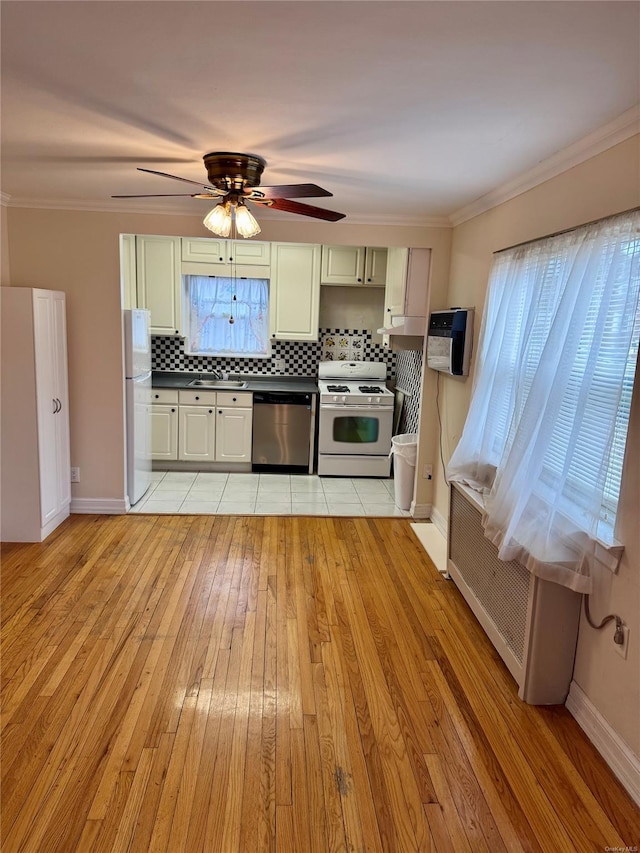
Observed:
{"x":606,"y":184}
{"x":77,"y":252}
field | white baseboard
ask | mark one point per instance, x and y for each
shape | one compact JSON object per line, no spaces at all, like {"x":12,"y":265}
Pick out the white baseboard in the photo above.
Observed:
{"x":622,"y":761}
{"x":440,"y":522}
{"x":433,"y":543}
{"x":99,"y":506}
{"x":420,"y":510}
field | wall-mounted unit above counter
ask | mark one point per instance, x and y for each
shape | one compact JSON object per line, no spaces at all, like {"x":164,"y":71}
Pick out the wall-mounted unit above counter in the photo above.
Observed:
{"x":406,"y":298}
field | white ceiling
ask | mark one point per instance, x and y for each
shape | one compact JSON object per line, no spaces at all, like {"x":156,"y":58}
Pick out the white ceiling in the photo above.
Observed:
{"x":415,"y":107}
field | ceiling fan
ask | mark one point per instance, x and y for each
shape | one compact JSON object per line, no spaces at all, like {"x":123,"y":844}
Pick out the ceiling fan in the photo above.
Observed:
{"x":235,"y":179}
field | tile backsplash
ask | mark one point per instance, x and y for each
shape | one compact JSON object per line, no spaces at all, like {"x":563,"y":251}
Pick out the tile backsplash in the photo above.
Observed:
{"x":300,"y":358}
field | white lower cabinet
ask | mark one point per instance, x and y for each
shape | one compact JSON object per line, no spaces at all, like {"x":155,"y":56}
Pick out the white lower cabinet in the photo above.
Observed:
{"x":197,"y":426}
{"x":234,"y":423}
{"x":164,"y":425}
{"x":35,"y":480}
{"x":202,"y":426}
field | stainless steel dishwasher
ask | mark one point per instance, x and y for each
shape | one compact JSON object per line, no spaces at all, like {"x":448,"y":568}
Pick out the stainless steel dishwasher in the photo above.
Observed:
{"x":283,"y":429}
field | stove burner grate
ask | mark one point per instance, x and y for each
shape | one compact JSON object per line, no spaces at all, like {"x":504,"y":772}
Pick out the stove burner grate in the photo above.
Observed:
{"x":370,"y":389}
{"x":340,"y":389}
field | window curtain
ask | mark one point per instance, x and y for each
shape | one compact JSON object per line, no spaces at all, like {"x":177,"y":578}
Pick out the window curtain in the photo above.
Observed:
{"x":557,"y":354}
{"x":212,"y":303}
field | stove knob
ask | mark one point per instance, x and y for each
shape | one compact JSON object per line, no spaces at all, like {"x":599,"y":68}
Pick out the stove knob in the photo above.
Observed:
{"x":378,"y":400}
{"x":369,"y":399}
{"x":343,"y":399}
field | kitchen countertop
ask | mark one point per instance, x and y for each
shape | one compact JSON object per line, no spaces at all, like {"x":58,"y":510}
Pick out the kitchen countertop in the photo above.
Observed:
{"x":177,"y":380}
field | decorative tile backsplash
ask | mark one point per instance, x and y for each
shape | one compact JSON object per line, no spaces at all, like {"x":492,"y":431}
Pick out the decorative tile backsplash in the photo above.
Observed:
{"x":300,"y":358}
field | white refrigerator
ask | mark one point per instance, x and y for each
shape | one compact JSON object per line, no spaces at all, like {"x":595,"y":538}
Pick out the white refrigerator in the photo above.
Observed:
{"x":137,"y":360}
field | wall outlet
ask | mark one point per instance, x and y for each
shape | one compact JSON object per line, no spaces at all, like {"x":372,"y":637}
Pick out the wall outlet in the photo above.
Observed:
{"x":623,"y":648}
{"x":427,"y":472}
{"x":75,"y":475}
{"x":279,"y":364}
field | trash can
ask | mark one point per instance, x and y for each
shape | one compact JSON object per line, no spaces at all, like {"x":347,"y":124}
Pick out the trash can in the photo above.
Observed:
{"x":404,"y":449}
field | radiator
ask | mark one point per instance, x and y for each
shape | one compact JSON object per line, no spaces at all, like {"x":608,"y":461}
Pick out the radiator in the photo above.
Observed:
{"x":532,"y":623}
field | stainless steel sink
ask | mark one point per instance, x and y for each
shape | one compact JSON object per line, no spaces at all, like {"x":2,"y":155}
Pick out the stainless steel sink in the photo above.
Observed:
{"x":217,"y":383}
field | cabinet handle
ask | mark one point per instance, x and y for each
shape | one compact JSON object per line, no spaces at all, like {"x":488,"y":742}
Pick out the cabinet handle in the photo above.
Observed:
{"x":173,"y":410}
{"x":55,"y":407}
{"x":210,"y":411}
{"x":219,"y":411}
{"x":368,"y":279}
{"x":221,"y":259}
{"x":59,"y":405}
{"x":177,"y":332}
{"x":157,"y":396}
{"x":197,"y":398}
{"x":230,"y":259}
{"x":235,"y":399}
{"x":359,"y":279}
{"x":388,"y":310}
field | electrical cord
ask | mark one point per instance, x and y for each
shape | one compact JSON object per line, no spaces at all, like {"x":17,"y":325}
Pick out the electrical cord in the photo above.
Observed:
{"x":618,"y":637}
{"x":444,"y":474}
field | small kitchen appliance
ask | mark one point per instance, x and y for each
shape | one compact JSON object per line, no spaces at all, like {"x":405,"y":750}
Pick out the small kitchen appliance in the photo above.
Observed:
{"x":356,"y":419}
{"x":137,"y":359}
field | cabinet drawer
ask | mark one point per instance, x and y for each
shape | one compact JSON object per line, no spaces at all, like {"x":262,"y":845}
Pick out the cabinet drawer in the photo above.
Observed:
{"x":159,"y":395}
{"x":198,"y":398}
{"x":233,"y":398}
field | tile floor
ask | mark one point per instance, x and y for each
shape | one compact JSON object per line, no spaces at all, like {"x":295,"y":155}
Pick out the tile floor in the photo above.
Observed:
{"x":268,"y":494}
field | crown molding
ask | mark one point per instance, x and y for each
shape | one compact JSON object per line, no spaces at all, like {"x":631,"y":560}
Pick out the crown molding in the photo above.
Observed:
{"x":616,"y":131}
{"x":107,"y":206}
{"x":4,"y":199}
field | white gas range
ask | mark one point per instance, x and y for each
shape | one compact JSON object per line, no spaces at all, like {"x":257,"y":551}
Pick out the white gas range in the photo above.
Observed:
{"x":356,"y":419}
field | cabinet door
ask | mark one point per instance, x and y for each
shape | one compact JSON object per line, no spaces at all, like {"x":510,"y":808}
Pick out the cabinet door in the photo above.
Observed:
{"x":233,"y":434}
{"x":160,"y":282}
{"x":196,"y":434}
{"x":295,"y":291}
{"x":397,"y":264}
{"x":44,"y":341}
{"x":375,"y":266}
{"x":164,"y":431}
{"x":205,"y":250}
{"x":250,"y":252}
{"x":342,"y":265}
{"x":61,"y":391}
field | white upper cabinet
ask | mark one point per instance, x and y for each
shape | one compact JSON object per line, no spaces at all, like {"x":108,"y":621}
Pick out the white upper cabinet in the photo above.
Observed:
{"x":406,"y":296}
{"x":354,"y":266}
{"x":295,"y":292}
{"x":160,"y":282}
{"x":397,"y":265}
{"x":224,"y":252}
{"x":128,"y":274}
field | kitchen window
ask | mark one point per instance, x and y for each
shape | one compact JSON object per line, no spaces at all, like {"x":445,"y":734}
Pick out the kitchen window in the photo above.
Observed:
{"x":227,"y":316}
{"x":546,"y":430}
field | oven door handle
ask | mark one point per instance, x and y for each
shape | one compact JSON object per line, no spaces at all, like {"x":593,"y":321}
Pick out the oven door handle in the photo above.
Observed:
{"x":341,"y":407}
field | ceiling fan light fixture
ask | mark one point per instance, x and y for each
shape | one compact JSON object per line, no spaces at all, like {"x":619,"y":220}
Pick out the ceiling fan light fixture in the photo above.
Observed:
{"x":219,"y":219}
{"x":246,"y":223}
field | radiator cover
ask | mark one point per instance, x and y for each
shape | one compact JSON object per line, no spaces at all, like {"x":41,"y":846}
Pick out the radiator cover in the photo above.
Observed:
{"x":532,"y":623}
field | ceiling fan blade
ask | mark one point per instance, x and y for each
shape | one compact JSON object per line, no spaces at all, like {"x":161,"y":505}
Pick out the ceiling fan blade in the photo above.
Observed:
{"x":302,"y":209}
{"x":169,"y":195}
{"x":186,"y":180}
{"x":288,"y":191}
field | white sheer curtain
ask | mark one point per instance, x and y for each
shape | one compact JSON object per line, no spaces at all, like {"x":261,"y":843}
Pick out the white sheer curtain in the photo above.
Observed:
{"x":212,"y":301}
{"x":545,"y":432}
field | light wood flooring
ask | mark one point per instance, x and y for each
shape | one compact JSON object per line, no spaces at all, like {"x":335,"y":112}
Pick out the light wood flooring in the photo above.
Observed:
{"x":299,"y":684}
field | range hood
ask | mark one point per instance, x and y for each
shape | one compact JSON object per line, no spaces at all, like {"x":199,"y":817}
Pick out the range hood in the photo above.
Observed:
{"x":413,"y":326}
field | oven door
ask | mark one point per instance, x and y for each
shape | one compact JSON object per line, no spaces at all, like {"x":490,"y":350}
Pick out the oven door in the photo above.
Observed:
{"x":355,"y":429}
